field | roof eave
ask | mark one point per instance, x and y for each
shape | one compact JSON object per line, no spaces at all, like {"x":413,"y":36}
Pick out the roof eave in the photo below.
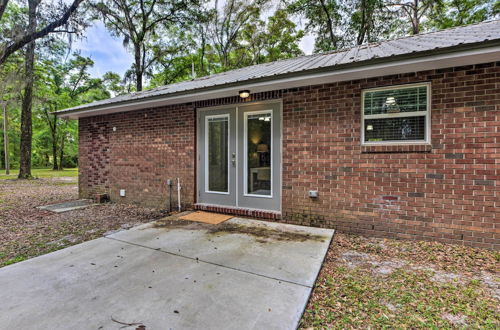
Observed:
{"x":439,"y":58}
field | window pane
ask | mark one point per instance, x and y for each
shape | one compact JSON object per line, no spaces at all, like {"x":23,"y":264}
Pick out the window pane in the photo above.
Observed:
{"x":396,"y":100}
{"x":218,"y":130}
{"x":395,"y":129}
{"x":259,"y":154}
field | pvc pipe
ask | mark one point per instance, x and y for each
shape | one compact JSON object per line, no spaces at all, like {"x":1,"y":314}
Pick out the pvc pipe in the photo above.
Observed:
{"x":179,"y":193}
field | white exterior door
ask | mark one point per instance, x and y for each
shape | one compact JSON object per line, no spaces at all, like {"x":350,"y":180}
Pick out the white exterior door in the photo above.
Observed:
{"x":239,"y":156}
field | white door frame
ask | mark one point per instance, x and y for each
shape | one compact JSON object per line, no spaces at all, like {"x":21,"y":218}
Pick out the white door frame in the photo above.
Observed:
{"x":201,"y":185}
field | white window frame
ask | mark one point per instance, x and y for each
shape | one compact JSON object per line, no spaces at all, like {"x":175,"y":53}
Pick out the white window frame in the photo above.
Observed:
{"x":207,"y":124}
{"x":427,"y":115}
{"x":245,"y":152}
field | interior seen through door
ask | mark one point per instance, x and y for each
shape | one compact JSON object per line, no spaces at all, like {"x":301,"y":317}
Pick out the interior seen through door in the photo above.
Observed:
{"x":218,"y":134}
{"x":259,"y":154}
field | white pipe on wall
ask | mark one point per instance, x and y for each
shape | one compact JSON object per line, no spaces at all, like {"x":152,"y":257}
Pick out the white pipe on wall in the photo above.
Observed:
{"x":179,"y":193}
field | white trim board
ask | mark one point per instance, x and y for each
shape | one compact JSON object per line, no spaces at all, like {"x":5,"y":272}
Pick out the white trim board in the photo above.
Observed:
{"x":432,"y":62}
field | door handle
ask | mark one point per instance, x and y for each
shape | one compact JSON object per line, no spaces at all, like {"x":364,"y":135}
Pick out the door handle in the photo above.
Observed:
{"x":233,"y":160}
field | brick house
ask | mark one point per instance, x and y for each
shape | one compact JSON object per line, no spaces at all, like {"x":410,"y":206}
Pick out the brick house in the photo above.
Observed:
{"x":395,"y":139}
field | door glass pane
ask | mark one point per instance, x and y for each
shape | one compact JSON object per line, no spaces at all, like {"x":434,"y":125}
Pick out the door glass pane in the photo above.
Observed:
{"x":259,"y":154}
{"x":218,"y":133}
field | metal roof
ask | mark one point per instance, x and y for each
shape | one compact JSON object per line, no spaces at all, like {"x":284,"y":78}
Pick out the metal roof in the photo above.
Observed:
{"x":449,"y":40}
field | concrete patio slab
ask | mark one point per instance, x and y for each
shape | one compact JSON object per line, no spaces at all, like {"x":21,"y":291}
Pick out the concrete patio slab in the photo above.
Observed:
{"x":99,"y":283}
{"x":282,"y":251}
{"x":67,"y":206}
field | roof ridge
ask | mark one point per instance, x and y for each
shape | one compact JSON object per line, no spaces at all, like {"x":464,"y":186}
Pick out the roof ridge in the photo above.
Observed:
{"x":371,"y":44}
{"x":438,"y":31}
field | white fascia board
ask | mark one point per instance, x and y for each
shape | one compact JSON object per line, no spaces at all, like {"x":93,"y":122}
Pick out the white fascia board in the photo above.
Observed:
{"x":470,"y":57}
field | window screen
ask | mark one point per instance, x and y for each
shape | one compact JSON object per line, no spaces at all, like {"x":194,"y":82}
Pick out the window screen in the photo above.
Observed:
{"x":395,"y":114}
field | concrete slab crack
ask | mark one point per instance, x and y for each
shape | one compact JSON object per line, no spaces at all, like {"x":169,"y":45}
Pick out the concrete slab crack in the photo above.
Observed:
{"x":208,"y":262}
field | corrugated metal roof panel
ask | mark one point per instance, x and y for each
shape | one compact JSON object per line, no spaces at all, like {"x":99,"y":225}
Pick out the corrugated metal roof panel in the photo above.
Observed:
{"x":471,"y":34}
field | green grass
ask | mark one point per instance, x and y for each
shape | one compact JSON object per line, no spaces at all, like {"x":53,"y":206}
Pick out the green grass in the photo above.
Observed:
{"x":356,"y":298}
{"x":435,"y":286}
{"x":43,"y":173}
{"x":13,"y":260}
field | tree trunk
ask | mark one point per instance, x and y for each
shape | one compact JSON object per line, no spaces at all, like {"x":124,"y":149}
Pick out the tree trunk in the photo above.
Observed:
{"x":202,"y":55}
{"x":416,"y":21}
{"x":61,"y":152}
{"x":27,"y":102}
{"x":6,"y":139}
{"x":53,"y":132}
{"x":362,"y":28}
{"x":333,"y":38}
{"x":138,"y":67}
{"x":54,"y":153}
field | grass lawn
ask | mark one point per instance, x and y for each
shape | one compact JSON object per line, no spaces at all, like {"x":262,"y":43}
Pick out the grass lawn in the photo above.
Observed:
{"x":368,"y":283}
{"x":42,"y":173}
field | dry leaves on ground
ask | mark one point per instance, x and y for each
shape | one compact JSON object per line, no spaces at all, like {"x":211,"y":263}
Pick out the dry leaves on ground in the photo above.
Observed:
{"x":377,"y":283}
{"x":26,"y":231}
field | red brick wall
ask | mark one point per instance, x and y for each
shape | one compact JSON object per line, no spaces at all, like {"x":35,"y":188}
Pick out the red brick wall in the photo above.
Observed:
{"x":147,"y":148}
{"x":449,"y":191}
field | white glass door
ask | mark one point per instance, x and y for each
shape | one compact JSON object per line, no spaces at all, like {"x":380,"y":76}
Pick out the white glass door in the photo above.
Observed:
{"x":259,"y":177}
{"x":217,"y":157}
{"x":240,"y":156}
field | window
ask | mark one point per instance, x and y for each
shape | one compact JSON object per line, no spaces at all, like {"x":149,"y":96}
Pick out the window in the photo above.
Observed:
{"x":396,"y":114}
{"x":217,"y":159}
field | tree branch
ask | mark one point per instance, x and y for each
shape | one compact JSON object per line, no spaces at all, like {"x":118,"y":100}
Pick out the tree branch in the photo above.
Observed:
{"x":333,"y":39}
{"x":29,"y":37}
{"x":64,"y":31}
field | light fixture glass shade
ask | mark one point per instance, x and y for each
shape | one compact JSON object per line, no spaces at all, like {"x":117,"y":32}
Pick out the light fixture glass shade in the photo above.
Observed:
{"x":391,"y":105}
{"x":390,"y":100}
{"x":244,"y":93}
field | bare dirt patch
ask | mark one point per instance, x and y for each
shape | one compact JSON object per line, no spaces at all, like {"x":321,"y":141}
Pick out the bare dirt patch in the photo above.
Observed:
{"x":26,"y":231}
{"x":457,"y":320}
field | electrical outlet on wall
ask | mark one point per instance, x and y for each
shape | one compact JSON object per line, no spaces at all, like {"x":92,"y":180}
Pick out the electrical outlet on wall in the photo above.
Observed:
{"x":313,"y":193}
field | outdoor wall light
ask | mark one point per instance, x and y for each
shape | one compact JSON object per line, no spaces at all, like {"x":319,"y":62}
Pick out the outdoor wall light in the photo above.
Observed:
{"x":244,"y":93}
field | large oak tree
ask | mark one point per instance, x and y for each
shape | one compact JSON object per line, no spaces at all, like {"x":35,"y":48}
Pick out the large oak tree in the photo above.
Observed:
{"x":21,"y":36}
{"x":141,"y":23}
